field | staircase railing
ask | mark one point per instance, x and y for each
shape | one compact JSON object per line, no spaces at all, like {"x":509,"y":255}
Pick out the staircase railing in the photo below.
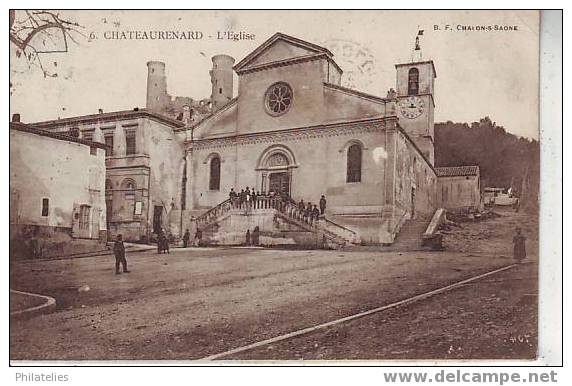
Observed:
{"x":213,"y":213}
{"x":284,"y":205}
{"x":260,"y":202}
{"x":348,"y":233}
{"x":305,"y":219}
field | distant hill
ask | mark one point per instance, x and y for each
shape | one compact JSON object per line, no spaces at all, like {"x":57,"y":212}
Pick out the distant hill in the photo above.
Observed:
{"x":505,"y":160}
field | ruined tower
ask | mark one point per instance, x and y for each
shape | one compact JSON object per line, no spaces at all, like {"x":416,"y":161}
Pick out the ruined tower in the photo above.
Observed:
{"x":157,"y":98}
{"x":221,"y":80}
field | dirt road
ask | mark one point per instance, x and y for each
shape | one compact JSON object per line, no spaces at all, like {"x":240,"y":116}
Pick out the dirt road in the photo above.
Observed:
{"x":490,"y":318}
{"x":194,"y":303}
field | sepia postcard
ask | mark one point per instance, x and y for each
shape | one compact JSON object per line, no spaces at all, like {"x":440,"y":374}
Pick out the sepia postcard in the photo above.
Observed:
{"x":217,"y":186}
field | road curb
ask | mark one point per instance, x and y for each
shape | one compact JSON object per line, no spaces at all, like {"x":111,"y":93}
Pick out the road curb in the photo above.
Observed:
{"x":48,"y":306}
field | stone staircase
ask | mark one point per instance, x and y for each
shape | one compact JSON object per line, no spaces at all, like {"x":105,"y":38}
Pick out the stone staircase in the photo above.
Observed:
{"x":410,"y":236}
{"x":331,"y":234}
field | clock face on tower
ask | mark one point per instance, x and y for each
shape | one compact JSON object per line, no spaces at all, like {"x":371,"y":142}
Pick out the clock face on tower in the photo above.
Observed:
{"x":411,"y":107}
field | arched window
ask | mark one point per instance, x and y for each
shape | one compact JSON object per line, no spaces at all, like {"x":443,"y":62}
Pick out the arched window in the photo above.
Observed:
{"x":413,"y":82}
{"x":214,"y":181}
{"x":354,"y":164}
{"x":128,"y":184}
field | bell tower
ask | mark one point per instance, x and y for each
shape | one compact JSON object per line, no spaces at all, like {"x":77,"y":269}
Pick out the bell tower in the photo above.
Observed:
{"x":415,"y":106}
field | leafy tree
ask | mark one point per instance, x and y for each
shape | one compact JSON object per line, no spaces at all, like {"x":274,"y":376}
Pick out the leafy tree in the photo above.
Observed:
{"x":505,"y":160}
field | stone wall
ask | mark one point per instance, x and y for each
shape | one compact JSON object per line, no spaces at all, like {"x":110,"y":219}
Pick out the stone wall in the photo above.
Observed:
{"x":459,"y":193}
{"x":274,"y":230}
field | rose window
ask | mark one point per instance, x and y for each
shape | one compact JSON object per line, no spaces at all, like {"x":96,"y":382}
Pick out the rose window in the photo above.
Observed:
{"x":278,"y":98}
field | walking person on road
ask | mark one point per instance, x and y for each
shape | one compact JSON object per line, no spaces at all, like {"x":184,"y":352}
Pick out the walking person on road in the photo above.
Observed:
{"x":119,"y":251}
{"x":519,"y":242}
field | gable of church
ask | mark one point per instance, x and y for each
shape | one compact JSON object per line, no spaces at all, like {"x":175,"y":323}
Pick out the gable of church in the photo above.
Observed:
{"x":278,"y":48}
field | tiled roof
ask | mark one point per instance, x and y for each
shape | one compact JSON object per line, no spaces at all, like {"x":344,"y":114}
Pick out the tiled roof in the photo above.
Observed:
{"x":455,"y":171}
{"x":64,"y":137}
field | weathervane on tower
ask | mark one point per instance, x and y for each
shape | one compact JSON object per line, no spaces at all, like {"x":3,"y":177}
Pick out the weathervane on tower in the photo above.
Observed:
{"x":416,"y":54}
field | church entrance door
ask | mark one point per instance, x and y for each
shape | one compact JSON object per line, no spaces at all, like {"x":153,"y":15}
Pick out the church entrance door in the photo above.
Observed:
{"x":157,"y":219}
{"x":279,"y":183}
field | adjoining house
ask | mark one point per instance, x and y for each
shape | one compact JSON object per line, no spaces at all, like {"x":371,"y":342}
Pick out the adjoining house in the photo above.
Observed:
{"x":57,"y":189}
{"x":459,"y":188}
{"x":145,"y":169}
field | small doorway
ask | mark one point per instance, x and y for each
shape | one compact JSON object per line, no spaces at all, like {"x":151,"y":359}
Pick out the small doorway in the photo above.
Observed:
{"x":108,"y":213}
{"x":157,"y":218}
{"x":412,"y":202}
{"x":84,"y":221}
{"x":279,"y":183}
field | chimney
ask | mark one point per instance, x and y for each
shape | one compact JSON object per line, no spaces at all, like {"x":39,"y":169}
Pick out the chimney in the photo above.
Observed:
{"x":16,"y":117}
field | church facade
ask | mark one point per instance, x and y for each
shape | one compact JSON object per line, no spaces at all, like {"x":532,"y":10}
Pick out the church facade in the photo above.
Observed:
{"x":292,"y":130}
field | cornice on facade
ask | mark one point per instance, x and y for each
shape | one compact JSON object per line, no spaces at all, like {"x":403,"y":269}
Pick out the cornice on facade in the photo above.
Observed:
{"x":421,"y":62}
{"x":109,"y":117}
{"x":64,"y":137}
{"x":287,"y":62}
{"x":298,"y":133}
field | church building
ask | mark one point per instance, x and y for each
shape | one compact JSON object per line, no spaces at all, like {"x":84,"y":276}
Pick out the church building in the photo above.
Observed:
{"x":294,"y":129}
{"x":293,"y":132}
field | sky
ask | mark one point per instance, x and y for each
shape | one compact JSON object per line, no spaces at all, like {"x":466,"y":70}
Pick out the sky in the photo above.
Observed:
{"x":479,"y":73}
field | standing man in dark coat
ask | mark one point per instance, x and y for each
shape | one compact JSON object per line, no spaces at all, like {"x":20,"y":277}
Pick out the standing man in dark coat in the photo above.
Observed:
{"x":186,"y":238}
{"x":160,"y":241}
{"x":301,"y":210}
{"x":308,"y":212}
{"x":254,"y":197}
{"x":256,"y":236}
{"x":232,"y":196}
{"x":322,"y":204}
{"x":241,"y":198}
{"x":519,"y":242}
{"x":119,"y":251}
{"x":315,"y":213}
{"x":198,"y":237}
